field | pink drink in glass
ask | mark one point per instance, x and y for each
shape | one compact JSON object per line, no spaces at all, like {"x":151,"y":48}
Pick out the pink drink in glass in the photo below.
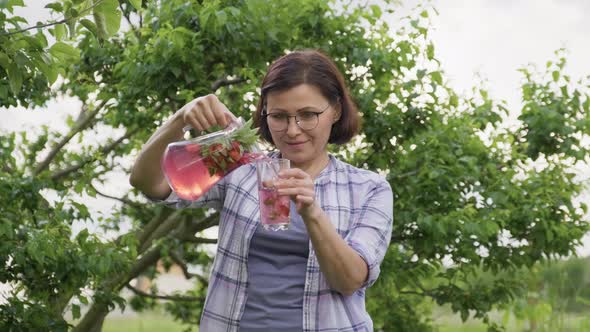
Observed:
{"x":274,"y":209}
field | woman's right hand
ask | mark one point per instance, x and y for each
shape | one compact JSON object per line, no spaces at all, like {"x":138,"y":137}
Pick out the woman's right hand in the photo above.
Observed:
{"x":204,"y":112}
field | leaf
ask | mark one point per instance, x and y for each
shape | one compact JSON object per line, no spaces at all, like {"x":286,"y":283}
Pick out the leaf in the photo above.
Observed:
{"x":454,"y":100}
{"x":136,"y":4}
{"x":72,"y":17}
{"x":60,"y":32}
{"x":555,"y":75}
{"x":436,"y":77}
{"x":101,"y":30}
{"x":36,"y":43}
{"x":49,"y":71}
{"x":64,"y":52}
{"x":376,"y":11}
{"x":82,"y":236}
{"x":88,"y":24}
{"x":221,"y":18}
{"x":110,"y":17}
{"x":56,"y":6}
{"x":75,"y":311}
{"x":15,"y":78}
{"x":234,"y":11}
{"x":83,"y":299}
{"x":430,"y":51}
{"x":11,"y":3}
{"x":113,"y":22}
{"x":4,"y":60}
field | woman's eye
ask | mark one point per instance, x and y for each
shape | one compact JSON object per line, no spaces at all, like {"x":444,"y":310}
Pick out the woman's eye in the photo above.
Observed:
{"x":277,"y":116}
{"x":307,"y":115}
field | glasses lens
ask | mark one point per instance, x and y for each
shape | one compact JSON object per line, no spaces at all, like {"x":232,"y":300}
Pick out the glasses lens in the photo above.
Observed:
{"x":277,"y":122}
{"x":307,"y":120}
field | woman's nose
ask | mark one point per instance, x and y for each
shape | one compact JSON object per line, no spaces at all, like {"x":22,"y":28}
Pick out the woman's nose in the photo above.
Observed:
{"x":292,"y":127}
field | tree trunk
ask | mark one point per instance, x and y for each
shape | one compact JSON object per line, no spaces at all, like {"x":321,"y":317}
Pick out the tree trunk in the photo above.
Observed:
{"x":93,"y":320}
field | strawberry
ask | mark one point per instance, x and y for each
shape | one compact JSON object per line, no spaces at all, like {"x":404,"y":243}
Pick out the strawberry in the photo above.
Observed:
{"x":283,"y":210}
{"x":226,"y":156}
{"x":234,"y":155}
{"x":215,"y":148}
{"x":208,"y":161}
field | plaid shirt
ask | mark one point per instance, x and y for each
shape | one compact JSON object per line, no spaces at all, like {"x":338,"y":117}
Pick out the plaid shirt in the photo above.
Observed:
{"x":360,"y":205}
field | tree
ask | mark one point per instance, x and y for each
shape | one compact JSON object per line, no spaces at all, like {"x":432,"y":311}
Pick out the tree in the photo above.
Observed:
{"x":467,"y":189}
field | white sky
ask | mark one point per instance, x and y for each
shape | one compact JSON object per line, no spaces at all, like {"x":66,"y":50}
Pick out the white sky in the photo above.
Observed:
{"x":490,"y":37}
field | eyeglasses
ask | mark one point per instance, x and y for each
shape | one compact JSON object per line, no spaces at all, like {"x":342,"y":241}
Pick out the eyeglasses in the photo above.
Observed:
{"x":306,"y":120}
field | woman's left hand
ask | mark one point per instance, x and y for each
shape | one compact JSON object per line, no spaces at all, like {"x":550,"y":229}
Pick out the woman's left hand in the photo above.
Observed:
{"x":299,"y":185}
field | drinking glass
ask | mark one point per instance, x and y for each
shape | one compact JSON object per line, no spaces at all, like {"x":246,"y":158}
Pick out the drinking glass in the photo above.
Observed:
{"x":274,"y":209}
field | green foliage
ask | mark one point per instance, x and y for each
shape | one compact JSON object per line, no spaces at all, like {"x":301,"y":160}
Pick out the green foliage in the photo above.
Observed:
{"x":470,"y":195}
{"x":554,"y":290}
{"x":554,"y":110}
{"x":28,"y":65}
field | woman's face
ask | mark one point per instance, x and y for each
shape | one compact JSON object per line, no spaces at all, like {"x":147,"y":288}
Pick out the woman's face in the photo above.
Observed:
{"x":303,"y":147}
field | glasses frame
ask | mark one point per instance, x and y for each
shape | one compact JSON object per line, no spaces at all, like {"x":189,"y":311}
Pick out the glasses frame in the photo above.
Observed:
{"x":265,"y":114}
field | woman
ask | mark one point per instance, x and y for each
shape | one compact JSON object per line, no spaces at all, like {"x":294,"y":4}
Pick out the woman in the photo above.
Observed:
{"x":312,"y":277}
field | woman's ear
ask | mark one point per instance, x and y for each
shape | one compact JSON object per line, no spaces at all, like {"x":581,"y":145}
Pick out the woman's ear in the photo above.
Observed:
{"x":338,"y":112}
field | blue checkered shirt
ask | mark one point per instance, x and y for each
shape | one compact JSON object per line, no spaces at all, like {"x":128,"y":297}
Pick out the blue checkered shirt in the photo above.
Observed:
{"x":359,"y":204}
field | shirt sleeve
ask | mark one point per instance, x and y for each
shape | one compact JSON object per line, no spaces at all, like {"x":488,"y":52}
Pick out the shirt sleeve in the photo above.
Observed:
{"x":370,"y":233}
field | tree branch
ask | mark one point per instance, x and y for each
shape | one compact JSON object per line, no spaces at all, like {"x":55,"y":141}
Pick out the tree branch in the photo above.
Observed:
{"x":151,"y":226}
{"x":407,"y":174}
{"x":225,"y":82}
{"x":180,"y":262}
{"x":196,"y":239}
{"x":176,"y":298}
{"x":163,"y":228}
{"x":126,"y":15}
{"x":120,"y":199}
{"x":104,"y":150}
{"x":81,"y":124}
{"x":201,"y":224}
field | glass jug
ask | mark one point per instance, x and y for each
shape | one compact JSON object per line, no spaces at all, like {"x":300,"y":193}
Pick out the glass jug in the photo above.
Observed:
{"x":193,"y":166}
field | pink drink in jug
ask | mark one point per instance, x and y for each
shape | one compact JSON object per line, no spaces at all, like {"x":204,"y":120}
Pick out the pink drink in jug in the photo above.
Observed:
{"x":192,"y":167}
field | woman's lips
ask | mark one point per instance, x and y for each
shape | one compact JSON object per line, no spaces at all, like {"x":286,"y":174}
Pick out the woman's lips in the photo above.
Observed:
{"x":295,"y":144}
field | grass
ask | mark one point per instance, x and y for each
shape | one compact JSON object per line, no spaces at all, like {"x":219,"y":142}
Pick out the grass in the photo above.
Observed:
{"x":444,"y":321}
{"x":143,"y":322}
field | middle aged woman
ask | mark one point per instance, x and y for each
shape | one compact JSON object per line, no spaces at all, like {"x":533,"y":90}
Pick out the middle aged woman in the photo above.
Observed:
{"x":312,"y":277}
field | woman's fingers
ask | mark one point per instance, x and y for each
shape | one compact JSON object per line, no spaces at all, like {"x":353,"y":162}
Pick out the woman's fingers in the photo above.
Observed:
{"x":204,"y":112}
{"x":190,"y":118}
{"x":208,"y":117}
{"x":294,"y":173}
{"x":305,"y":200}
{"x":293,"y":182}
{"x":294,"y":191}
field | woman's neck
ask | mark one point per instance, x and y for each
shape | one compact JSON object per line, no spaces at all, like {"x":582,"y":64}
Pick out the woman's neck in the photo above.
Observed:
{"x":315,"y":167}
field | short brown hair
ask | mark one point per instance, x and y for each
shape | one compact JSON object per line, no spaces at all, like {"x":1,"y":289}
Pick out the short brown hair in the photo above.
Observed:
{"x":314,"y":68}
